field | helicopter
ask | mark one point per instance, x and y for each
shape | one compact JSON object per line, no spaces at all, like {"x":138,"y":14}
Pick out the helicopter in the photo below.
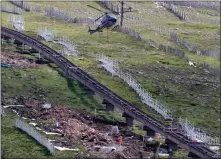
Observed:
{"x":108,"y":20}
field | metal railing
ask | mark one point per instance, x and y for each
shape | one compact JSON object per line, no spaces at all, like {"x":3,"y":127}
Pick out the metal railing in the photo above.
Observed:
{"x":195,"y":133}
{"x":36,"y":135}
{"x":47,"y":33}
{"x":112,"y":66}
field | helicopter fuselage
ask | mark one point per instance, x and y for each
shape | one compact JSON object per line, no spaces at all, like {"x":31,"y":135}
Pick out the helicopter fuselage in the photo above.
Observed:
{"x":106,"y":22}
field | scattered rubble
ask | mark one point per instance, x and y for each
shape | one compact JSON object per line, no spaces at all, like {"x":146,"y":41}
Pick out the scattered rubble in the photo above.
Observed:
{"x":12,"y":106}
{"x":17,"y":60}
{"x":46,"y":106}
{"x":34,"y":124}
{"x":79,"y":127}
{"x":64,"y":148}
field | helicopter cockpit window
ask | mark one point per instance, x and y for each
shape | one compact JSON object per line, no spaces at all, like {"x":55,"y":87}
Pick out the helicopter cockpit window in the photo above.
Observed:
{"x":112,"y":16}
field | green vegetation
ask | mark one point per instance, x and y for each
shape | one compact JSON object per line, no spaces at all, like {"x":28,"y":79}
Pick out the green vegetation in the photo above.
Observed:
{"x":125,"y":50}
{"x":17,"y":144}
{"x":169,"y":78}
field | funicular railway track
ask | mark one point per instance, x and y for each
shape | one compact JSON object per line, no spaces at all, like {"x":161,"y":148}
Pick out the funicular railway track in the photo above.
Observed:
{"x":75,"y":72}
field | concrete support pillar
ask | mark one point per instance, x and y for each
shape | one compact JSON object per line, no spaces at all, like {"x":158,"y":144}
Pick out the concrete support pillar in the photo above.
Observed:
{"x":87,"y":90}
{"x":109,"y":106}
{"x":2,"y":40}
{"x":66,"y":72}
{"x":193,"y":156}
{"x":23,"y":47}
{"x":171,"y":146}
{"x":149,"y":132}
{"x":7,"y":39}
{"x":129,"y":119}
{"x":18,"y":43}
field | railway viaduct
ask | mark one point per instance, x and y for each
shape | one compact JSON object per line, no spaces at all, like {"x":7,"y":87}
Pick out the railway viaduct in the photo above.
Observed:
{"x":111,"y":100}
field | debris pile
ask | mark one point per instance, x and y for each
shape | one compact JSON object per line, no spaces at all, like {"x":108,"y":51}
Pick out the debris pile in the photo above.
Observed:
{"x":73,"y":128}
{"x":17,"y":61}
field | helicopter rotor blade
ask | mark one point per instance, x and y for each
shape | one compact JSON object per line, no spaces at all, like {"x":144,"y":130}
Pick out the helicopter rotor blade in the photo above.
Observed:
{"x":114,"y":12}
{"x":95,"y":8}
{"x":131,"y":11}
{"x":99,"y":17}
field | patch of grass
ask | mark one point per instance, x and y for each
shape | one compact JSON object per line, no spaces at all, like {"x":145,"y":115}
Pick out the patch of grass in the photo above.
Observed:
{"x":17,"y":144}
{"x":197,"y":26}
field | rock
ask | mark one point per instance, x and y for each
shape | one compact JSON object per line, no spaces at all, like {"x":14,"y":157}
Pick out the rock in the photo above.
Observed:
{"x":91,"y":139}
{"x":46,"y":106}
{"x":197,"y":83}
{"x":83,"y":137}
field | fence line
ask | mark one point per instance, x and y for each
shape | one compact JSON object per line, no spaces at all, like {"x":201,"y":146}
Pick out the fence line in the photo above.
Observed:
{"x":129,"y":31}
{"x":196,"y":134}
{"x":11,"y":9}
{"x":174,"y":9}
{"x":36,"y":135}
{"x":17,"y":22}
{"x":180,"y":53}
{"x":112,"y":66}
{"x":207,"y":5}
{"x":215,"y":71}
{"x":193,"y":17}
{"x":171,"y":50}
{"x":69,"y":48}
{"x":194,"y":48}
{"x":47,"y":34}
{"x":67,"y":16}
{"x":109,"y":5}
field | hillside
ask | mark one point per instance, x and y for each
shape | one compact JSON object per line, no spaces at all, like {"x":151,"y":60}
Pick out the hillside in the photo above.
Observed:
{"x":189,"y":92}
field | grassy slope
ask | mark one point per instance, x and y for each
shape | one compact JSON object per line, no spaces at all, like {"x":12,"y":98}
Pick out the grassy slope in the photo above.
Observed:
{"x":202,"y":34}
{"x":19,"y":145}
{"x":125,"y":50}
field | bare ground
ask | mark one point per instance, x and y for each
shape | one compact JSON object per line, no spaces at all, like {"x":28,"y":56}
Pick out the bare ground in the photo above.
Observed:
{"x":79,"y":127}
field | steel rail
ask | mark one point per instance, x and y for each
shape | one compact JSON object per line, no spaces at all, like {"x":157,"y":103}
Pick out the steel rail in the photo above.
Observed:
{"x":75,"y":72}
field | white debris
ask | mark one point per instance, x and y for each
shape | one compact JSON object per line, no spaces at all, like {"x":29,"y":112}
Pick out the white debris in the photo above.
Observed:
{"x":198,"y":140}
{"x":214,"y":148}
{"x":157,"y":5}
{"x":24,"y":118}
{"x":34,"y":124}
{"x":57,"y":124}
{"x":64,"y":148}
{"x":6,"y":106}
{"x":46,"y":106}
{"x":51,"y":133}
{"x":16,"y":112}
{"x":206,"y":70}
{"x":32,"y":119}
{"x":105,"y":149}
{"x":192,"y":63}
{"x":163,"y":155}
{"x":38,"y":128}
{"x":51,"y":140}
{"x":150,"y":139}
{"x":114,"y":130}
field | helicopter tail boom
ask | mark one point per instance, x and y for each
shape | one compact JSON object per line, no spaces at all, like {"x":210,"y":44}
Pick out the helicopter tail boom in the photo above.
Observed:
{"x":91,"y":31}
